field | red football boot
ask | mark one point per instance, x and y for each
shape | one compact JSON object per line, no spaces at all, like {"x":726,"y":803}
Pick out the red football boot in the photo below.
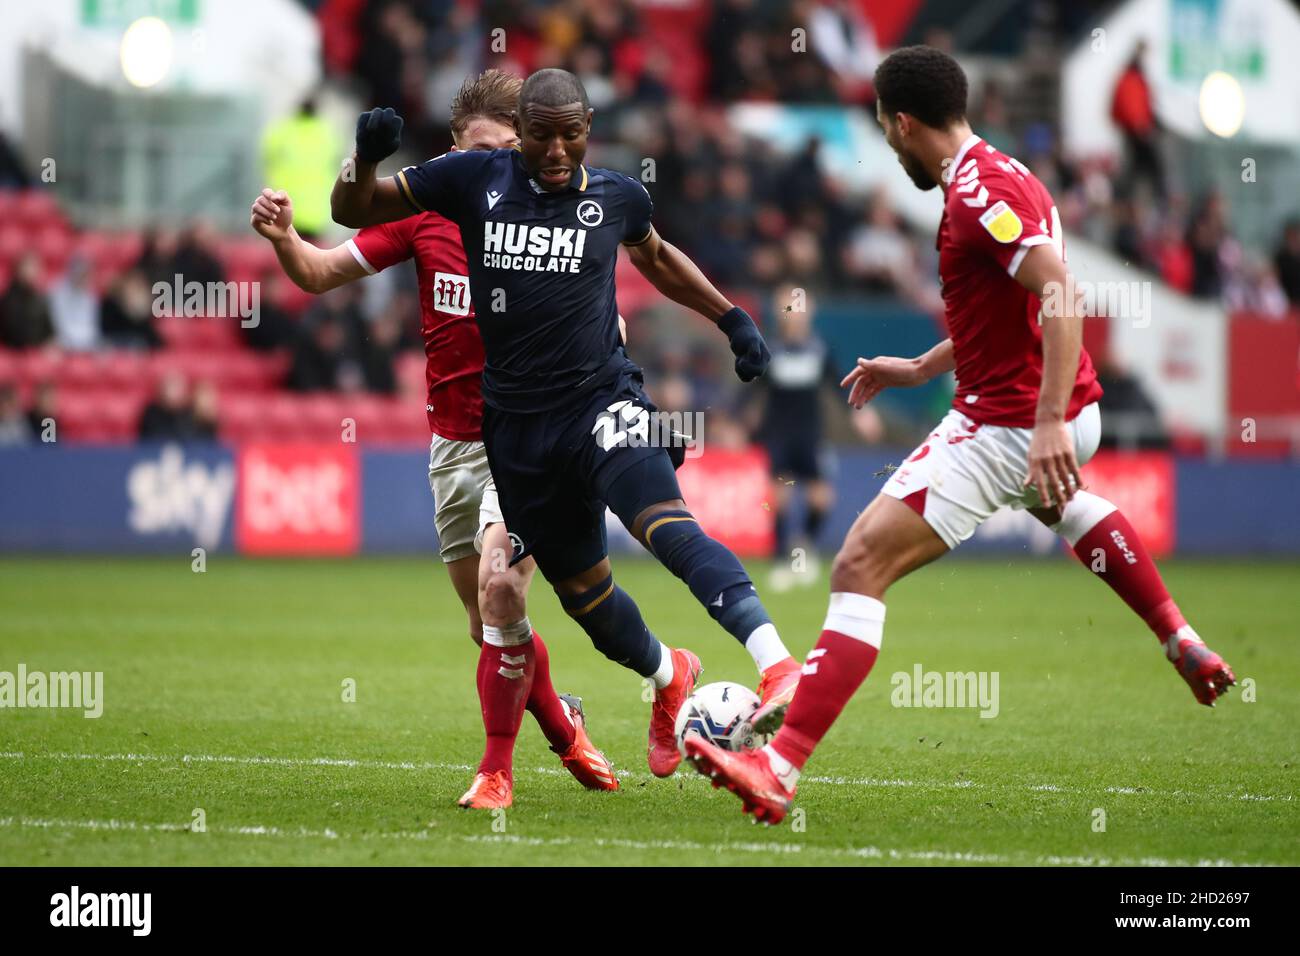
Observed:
{"x":775,"y":691}
{"x":1206,"y":673}
{"x":489,"y":791}
{"x":747,"y":774}
{"x":662,"y":753}
{"x":582,"y":759}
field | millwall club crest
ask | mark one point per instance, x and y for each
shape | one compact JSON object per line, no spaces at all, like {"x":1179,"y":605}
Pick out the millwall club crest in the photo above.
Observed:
{"x":590,"y":214}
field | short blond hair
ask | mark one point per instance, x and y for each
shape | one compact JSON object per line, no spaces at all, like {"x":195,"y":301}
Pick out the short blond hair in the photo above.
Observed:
{"x":493,"y":94}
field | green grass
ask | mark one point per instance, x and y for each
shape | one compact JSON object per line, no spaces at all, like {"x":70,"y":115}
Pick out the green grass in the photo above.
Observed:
{"x":241,"y":669}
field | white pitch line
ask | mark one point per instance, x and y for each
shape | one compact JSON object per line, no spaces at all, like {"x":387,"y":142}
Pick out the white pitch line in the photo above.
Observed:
{"x":863,"y":782}
{"x":893,"y":854}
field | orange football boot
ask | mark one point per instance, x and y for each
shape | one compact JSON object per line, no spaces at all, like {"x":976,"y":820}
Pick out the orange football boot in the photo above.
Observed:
{"x":775,"y":691}
{"x":583,"y":759}
{"x":662,"y":753}
{"x":745,"y":773}
{"x":489,"y":791}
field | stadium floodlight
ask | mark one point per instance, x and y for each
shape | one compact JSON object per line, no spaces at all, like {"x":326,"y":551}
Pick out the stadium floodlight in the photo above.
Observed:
{"x":146,"y":52}
{"x":1223,"y":106}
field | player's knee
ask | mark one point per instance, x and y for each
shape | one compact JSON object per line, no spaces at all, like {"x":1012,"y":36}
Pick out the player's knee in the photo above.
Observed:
{"x":861,"y":566}
{"x":646,"y":517}
{"x":1083,"y":513}
{"x":502,"y":597}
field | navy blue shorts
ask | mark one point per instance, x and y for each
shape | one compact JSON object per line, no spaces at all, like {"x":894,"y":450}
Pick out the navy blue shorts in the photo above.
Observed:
{"x":795,"y":457}
{"x":553,"y":470}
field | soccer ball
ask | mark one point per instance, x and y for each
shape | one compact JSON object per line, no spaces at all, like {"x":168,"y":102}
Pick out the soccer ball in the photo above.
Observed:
{"x":721,"y":714}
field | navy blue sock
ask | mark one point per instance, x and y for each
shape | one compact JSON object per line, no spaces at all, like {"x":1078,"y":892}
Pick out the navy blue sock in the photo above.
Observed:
{"x":715,"y":575}
{"x":613,"y":622}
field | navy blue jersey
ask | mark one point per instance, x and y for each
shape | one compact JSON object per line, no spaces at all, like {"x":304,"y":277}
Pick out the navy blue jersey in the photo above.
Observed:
{"x":794,"y":381}
{"x":541,"y":269}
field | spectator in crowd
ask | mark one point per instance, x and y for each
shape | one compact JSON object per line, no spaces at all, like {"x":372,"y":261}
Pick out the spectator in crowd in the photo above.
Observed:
{"x":329,"y":355}
{"x":1254,"y":288}
{"x":204,"y":412}
{"x":74,"y":307}
{"x":14,"y":429}
{"x":1127,"y":239}
{"x":1173,"y":257}
{"x":1213,"y":250}
{"x":1134,"y":113}
{"x":41,"y":417}
{"x":300,"y":155}
{"x":127,"y":314}
{"x":274,"y":328}
{"x":1286,"y":260}
{"x":383,"y":339}
{"x":1129,"y":417}
{"x":321,"y":362}
{"x":993,"y":121}
{"x":196,"y":257}
{"x":879,"y":257}
{"x":169,"y":416}
{"x":157,"y":260}
{"x":24,"y":313}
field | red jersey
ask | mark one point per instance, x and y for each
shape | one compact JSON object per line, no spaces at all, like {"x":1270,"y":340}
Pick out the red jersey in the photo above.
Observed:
{"x":995,"y":211}
{"x":452,"y":347}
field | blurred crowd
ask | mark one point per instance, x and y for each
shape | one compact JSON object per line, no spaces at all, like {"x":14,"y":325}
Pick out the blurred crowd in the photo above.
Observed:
{"x":327,"y":343}
{"x":658,"y":77}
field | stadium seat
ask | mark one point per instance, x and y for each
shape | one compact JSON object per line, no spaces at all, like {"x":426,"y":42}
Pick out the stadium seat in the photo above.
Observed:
{"x":34,"y":207}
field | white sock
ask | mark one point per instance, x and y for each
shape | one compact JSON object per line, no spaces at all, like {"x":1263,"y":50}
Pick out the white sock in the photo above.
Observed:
{"x":766,"y":646}
{"x":520,"y":632}
{"x":785,"y":771}
{"x":664,"y":675}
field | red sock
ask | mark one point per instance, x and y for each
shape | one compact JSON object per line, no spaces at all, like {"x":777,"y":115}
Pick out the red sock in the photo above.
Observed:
{"x":544,"y":704}
{"x":505,"y":675}
{"x":835,"y":669}
{"x":1115,"y":553}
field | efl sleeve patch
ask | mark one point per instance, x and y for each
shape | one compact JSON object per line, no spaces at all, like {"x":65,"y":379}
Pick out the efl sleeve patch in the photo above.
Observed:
{"x":1002,"y":223}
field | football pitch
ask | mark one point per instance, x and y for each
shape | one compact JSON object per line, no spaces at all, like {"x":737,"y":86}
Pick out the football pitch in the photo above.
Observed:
{"x":323,"y":713}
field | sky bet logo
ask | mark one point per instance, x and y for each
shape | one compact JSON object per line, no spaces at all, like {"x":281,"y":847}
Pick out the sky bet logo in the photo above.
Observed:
{"x":508,"y":245}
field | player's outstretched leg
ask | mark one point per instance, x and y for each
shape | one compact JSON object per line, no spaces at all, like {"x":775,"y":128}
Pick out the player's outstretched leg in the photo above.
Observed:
{"x":514,"y":675}
{"x":887,"y":541}
{"x":614,"y":623}
{"x":647,"y":500}
{"x":1106,"y":543}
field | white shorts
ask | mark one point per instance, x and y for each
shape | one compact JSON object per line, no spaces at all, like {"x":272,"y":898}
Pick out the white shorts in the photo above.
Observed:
{"x":964,"y":472}
{"x":463,"y":494}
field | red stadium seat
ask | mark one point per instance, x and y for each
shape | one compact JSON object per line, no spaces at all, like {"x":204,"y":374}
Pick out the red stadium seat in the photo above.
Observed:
{"x":36,"y":207}
{"x":14,"y":241}
{"x":126,"y":370}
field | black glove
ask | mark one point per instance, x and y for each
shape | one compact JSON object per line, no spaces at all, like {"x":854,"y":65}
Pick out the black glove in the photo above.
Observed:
{"x":379,"y":134}
{"x":747,"y":344}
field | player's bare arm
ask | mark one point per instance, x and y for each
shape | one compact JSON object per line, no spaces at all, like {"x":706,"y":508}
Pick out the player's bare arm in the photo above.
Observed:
{"x":873,"y":375}
{"x":677,"y":277}
{"x":359,"y":198}
{"x":309,"y":268}
{"x":1053,"y":468}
